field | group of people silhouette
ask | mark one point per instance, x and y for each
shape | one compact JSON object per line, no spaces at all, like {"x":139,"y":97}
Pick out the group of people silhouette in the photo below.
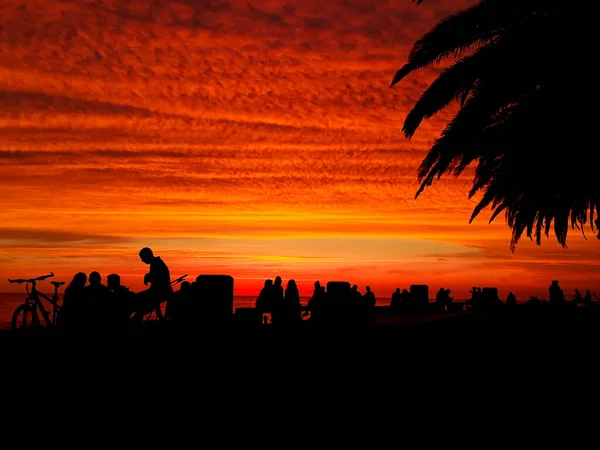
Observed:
{"x":284,"y":305}
{"x":112,"y":304}
{"x":556,"y":296}
{"x":87,"y":302}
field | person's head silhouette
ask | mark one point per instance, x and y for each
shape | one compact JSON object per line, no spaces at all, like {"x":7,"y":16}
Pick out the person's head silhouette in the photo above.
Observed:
{"x":368,"y":288}
{"x":95,"y":278}
{"x":146,"y":255}
{"x":113,"y":281}
{"x":79,"y":280}
{"x":278,"y":281}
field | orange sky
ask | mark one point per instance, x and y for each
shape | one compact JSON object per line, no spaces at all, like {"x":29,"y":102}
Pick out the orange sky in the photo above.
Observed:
{"x":251,"y":139}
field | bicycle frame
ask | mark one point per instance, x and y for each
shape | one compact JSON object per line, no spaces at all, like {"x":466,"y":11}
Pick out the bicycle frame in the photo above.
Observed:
{"x":157,"y":312}
{"x":34,"y":300}
{"x":34,"y":303}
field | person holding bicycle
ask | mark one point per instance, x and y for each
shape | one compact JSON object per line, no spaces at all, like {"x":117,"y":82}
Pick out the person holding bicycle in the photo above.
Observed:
{"x":160,"y":289}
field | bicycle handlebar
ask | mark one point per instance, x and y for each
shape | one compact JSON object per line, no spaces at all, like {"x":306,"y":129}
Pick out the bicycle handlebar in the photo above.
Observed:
{"x":31,"y":280}
{"x":179,"y":280}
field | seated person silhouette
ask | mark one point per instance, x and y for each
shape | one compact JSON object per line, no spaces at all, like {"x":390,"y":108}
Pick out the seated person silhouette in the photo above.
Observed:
{"x":179,"y":306}
{"x":96,"y":299}
{"x":556,"y":294}
{"x":121,"y":301}
{"x":72,"y":313}
{"x":396,"y":299}
{"x":160,"y":289}
{"x":511,"y":299}
{"x":316,"y":303}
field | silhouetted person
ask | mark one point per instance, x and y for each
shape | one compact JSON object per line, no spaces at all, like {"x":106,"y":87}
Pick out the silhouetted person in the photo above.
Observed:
{"x":511,"y":299}
{"x":443,"y":299}
{"x":405,"y":299}
{"x":179,"y":306}
{"x":316,"y":303}
{"x":448,"y":299}
{"x":577,"y":299}
{"x":587,"y":299}
{"x":121,"y":302}
{"x":72,"y":312}
{"x":369,"y":298}
{"x":278,"y":287}
{"x":160,"y":289}
{"x":396,"y":302}
{"x":556,"y":294}
{"x":475,"y":300}
{"x":96,"y":299}
{"x":356,"y":295}
{"x":264,"y":302}
{"x":290,"y":311}
{"x":440,"y":300}
{"x":278,"y":300}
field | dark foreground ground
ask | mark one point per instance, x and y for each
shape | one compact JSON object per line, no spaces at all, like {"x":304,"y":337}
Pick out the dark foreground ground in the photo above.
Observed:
{"x":511,"y":337}
{"x":450,"y":377}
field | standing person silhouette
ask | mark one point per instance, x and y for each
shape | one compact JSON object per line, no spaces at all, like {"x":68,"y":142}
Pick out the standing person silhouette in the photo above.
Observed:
{"x":160,"y":289}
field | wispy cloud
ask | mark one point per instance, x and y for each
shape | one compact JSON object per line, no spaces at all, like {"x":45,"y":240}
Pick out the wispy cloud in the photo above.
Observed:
{"x":150,"y":120}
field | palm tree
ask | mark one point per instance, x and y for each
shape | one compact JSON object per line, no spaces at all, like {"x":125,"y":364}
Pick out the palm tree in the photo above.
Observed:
{"x":520,"y":119}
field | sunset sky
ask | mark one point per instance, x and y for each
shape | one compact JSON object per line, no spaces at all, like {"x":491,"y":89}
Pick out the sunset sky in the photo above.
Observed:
{"x":253,"y":139}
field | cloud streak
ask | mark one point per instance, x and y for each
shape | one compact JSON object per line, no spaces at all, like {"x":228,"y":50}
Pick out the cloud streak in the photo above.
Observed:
{"x":148,"y":120}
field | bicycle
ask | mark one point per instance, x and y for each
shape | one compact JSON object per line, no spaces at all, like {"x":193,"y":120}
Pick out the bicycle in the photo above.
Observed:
{"x":26,"y":315}
{"x":157,"y":313}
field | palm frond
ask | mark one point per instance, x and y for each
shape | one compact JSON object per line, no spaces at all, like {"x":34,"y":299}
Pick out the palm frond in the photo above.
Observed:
{"x":465,"y":31}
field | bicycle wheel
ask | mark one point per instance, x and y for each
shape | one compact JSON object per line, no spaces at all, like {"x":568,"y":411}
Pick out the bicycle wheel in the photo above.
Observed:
{"x":25,"y":316}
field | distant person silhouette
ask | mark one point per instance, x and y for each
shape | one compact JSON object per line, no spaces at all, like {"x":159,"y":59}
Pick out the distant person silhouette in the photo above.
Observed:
{"x":278,"y":299}
{"x":357,"y":297}
{"x":511,"y":299}
{"x":440,"y":300}
{"x":369,"y":298}
{"x":395,"y":303}
{"x":316,"y":304}
{"x":443,"y":299}
{"x":556,"y":294}
{"x":577,"y":298}
{"x":264,"y":302}
{"x":71,"y":314}
{"x":96,"y":299}
{"x":405,"y":298}
{"x":448,"y":299}
{"x":587,"y":299}
{"x":291,"y":311}
{"x":160,"y":289}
